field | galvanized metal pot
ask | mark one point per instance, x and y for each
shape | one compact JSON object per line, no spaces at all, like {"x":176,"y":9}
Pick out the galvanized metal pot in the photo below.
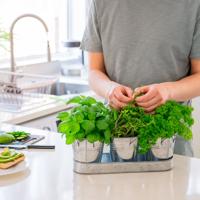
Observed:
{"x":123,"y":149}
{"x":164,"y":149}
{"x":87,"y":152}
{"x":148,"y":156}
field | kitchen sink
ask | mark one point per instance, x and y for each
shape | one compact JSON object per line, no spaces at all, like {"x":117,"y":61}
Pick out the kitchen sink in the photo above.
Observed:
{"x":71,"y":85}
{"x":75,"y":88}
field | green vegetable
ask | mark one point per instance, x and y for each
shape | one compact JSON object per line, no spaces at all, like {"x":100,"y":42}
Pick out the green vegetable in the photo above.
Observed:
{"x":90,"y":120}
{"x":168,"y":120}
{"x":6,"y":138}
{"x":8,"y":155}
{"x":19,"y":135}
{"x":63,"y":116}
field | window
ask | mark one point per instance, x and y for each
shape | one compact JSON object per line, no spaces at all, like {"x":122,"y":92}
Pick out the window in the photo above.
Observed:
{"x":64,"y":18}
{"x":76,"y":18}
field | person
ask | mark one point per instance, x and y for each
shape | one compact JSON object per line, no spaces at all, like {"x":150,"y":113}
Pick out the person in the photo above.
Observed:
{"x":151,"y":47}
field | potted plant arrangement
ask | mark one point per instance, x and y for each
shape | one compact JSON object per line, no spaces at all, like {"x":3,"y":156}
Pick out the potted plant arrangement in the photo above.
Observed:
{"x":133,"y":134}
{"x":87,"y":127}
{"x":155,"y":132}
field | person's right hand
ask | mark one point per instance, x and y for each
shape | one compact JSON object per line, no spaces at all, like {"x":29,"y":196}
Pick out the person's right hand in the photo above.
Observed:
{"x":120,"y":96}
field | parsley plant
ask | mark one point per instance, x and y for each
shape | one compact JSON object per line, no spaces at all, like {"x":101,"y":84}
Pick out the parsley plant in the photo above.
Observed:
{"x":168,"y":120}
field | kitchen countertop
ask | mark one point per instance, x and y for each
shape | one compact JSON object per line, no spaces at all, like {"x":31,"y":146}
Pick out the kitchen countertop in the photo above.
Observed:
{"x":55,"y":106}
{"x":27,"y":115}
{"x":50,"y":176}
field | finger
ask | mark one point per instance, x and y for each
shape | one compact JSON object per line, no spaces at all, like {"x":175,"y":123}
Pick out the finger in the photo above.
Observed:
{"x":118,"y":103}
{"x":115,"y":102}
{"x":113,"y":105}
{"x":143,"y":89}
{"x":128,"y":92}
{"x":135,"y":94}
{"x":152,"y":108}
{"x":121,"y":97}
{"x":150,"y":94}
{"x":150,"y":103}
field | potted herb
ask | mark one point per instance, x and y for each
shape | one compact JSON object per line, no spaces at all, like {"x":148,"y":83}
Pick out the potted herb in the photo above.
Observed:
{"x":87,"y":126}
{"x":154,"y":134}
{"x":170,"y":119}
{"x":124,"y":133}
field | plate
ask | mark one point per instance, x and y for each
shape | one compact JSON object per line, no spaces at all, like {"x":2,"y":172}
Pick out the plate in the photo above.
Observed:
{"x":22,"y":166}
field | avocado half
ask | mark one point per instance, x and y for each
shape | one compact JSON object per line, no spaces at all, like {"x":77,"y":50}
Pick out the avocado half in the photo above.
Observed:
{"x":6,"y":138}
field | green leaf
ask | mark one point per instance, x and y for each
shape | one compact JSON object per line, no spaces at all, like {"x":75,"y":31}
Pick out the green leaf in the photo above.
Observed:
{"x":88,"y":126}
{"x":76,"y":99}
{"x":79,"y":117}
{"x":88,"y":101}
{"x":115,"y":114}
{"x":4,"y":35}
{"x":107,"y":135}
{"x":4,"y":38}
{"x":92,"y":138}
{"x":70,"y":139}
{"x":102,"y":124}
{"x":80,"y":136}
{"x":69,"y":127}
{"x":63,"y":116}
{"x":91,"y":113}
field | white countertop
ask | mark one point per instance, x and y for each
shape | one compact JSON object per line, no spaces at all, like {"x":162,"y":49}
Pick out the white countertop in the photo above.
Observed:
{"x":27,"y":115}
{"x":55,"y":106}
{"x":50,"y":176}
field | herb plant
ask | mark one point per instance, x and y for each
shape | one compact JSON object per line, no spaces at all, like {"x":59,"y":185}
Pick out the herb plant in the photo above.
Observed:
{"x":90,"y":120}
{"x":19,"y":135}
{"x":168,"y":120}
{"x":4,"y":37}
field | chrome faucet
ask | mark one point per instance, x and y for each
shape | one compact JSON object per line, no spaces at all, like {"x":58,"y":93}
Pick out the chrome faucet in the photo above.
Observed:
{"x":12,"y":58}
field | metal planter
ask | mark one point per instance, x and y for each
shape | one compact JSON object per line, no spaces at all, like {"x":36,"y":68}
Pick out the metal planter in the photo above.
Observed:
{"x":163,"y":149}
{"x":123,"y":149}
{"x":87,"y":152}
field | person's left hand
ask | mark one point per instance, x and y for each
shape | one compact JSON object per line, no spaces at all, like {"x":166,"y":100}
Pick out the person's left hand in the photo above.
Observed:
{"x":153,"y":96}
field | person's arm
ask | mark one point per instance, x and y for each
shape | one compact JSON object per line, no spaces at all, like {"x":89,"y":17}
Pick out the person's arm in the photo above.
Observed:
{"x":182,"y":90}
{"x":98,"y":80}
{"x":117,"y":95}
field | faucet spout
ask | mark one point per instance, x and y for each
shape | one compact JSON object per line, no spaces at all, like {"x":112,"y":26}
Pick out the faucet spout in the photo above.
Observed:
{"x":12,"y":56}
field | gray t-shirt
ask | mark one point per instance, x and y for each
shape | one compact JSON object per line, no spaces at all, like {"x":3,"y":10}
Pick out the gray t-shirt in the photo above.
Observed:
{"x":144,"y":41}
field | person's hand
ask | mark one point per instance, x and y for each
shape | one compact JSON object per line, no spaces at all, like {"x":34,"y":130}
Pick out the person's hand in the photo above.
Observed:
{"x":153,"y":96}
{"x":119,"y":96}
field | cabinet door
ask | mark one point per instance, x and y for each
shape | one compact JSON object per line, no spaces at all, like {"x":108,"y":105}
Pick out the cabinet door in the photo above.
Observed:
{"x":47,"y":123}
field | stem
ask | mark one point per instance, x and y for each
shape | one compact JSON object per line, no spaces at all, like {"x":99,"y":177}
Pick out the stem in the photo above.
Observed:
{"x":118,"y":120}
